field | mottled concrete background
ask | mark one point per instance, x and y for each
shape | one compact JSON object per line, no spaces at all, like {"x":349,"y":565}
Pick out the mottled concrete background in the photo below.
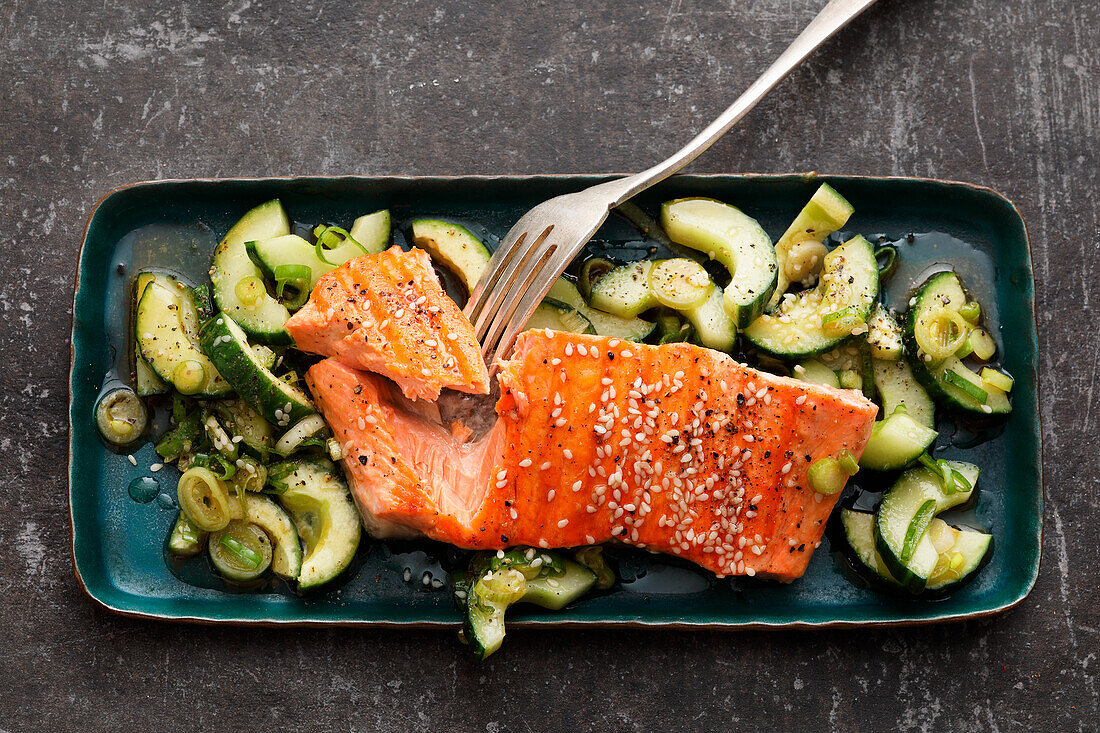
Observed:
{"x":95,"y":94}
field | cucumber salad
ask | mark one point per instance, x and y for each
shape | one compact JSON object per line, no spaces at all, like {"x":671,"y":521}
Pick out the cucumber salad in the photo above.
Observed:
{"x":259,"y":491}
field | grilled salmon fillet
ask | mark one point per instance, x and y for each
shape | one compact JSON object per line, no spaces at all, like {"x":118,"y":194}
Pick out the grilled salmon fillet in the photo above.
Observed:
{"x":673,"y":448}
{"x":387,"y":313}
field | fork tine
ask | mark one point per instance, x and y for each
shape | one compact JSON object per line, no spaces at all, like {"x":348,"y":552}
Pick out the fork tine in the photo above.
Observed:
{"x":513,"y":301}
{"x":516,"y":267}
{"x":503,"y":255}
{"x":538,"y":282}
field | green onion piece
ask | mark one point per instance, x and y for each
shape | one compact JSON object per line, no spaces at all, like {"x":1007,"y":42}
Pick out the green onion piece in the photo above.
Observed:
{"x":931,"y":464}
{"x":965,"y":386}
{"x":245,"y":554}
{"x":573,"y":321}
{"x":887,"y":259}
{"x":502,"y":586}
{"x":339,"y":236}
{"x":971,"y":311}
{"x":997,"y":379}
{"x":189,"y":376}
{"x":592,"y":558}
{"x":826,"y":476}
{"x":841,"y":322}
{"x":941,"y":332}
{"x":917,"y":527}
{"x":250,"y":290}
{"x":180,"y":439}
{"x":982,"y":344}
{"x":298,"y":277}
{"x":848,"y":462}
{"x":293,"y":272}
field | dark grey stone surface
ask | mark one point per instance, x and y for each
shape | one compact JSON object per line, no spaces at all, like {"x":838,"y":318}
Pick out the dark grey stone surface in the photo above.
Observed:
{"x":97,"y":94}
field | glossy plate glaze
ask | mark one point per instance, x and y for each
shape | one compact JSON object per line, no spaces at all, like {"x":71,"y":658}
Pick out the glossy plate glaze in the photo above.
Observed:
{"x":118,"y":543}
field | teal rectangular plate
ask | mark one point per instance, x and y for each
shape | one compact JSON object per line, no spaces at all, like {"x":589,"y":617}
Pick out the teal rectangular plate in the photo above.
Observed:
{"x":117,"y":543}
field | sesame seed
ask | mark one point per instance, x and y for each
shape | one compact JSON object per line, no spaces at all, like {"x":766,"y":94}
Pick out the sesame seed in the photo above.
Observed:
{"x":562,"y":523}
{"x":156,"y":467}
{"x":627,"y":353}
{"x":545,"y":466}
{"x":568,"y":454}
{"x":399,"y":312}
{"x":590,"y":539}
{"x":525,"y":463}
{"x":550,"y":495}
{"x":132,"y":460}
{"x":577,"y":485}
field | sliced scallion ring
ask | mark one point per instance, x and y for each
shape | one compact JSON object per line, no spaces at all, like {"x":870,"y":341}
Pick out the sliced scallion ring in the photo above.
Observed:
{"x":887,"y":259}
{"x":298,"y":277}
{"x":189,"y":376}
{"x":250,"y":290}
{"x":680,"y":283}
{"x":502,"y":586}
{"x":826,"y":476}
{"x":917,"y":527}
{"x":996,"y":379}
{"x":941,"y":332}
{"x":982,"y":344}
{"x":336,"y":236}
{"x":971,"y":311}
{"x":204,"y":499}
{"x":593,"y":269}
{"x":848,"y":462}
{"x":241,"y":551}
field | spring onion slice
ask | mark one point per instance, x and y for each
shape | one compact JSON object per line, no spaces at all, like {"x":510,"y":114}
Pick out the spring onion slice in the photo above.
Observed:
{"x":320,"y":246}
{"x":243,"y":553}
{"x":826,"y":476}
{"x":971,"y":311}
{"x":502,"y":586}
{"x":965,"y":386}
{"x":593,"y":269}
{"x":848,"y":462}
{"x":997,"y":379}
{"x":250,"y":290}
{"x":294,"y":437}
{"x":941,"y":333}
{"x":887,"y":259}
{"x":841,"y":322}
{"x":917,"y":527}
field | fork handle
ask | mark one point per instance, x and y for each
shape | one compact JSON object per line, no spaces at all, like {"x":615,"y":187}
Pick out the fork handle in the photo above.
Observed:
{"x":834,"y":16}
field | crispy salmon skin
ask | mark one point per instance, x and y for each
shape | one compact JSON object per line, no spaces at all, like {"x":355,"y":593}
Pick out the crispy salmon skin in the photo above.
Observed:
{"x":387,"y":313}
{"x":673,"y":448}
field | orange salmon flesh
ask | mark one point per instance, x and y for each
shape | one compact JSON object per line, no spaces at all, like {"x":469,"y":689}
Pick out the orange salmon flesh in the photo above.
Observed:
{"x":387,"y":313}
{"x":675,"y":448}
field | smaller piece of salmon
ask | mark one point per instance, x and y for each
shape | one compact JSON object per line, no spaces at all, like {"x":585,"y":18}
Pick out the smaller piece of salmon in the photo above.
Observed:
{"x":387,"y":313}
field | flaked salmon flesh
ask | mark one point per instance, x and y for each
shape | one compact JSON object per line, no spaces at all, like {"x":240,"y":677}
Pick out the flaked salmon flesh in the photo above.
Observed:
{"x":388,"y":313}
{"x":675,"y":448}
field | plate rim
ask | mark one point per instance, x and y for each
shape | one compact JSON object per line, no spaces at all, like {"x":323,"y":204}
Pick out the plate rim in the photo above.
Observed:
{"x":590,"y":178}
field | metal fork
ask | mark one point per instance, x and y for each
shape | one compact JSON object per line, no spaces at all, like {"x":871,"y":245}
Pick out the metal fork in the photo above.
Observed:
{"x":541,"y":244}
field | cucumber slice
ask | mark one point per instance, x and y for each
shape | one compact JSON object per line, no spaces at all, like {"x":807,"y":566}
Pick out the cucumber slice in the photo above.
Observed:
{"x":286,"y":560}
{"x":736,"y":240}
{"x":713,"y":326}
{"x":238,"y":282}
{"x":280,"y":403}
{"x":825,"y":212}
{"x":241,"y":552}
{"x":324,"y":513}
{"x":146,"y":381}
{"x":290,"y":249}
{"x":896,"y":443}
{"x":679,"y":283}
{"x":372,"y":231}
{"x":820,"y":319}
{"x":162,"y":331}
{"x":186,"y":539}
{"x":453,"y":246}
{"x":606,"y":324}
{"x":557,"y":316}
{"x":557,"y":591}
{"x":950,"y":382}
{"x":815,"y":372}
{"x":961,"y":559}
{"x":896,"y":386}
{"x":625,"y":290}
{"x":859,"y":530}
{"x":903,"y":518}
{"x":884,"y":336}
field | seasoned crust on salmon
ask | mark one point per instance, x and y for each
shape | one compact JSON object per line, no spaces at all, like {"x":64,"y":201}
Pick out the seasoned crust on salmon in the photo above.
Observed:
{"x":387,"y":313}
{"x":674,"y":448}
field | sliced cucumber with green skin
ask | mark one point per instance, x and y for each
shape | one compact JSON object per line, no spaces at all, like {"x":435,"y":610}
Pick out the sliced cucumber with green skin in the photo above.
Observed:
{"x":557,"y":591}
{"x":815,"y":372}
{"x":453,"y":246}
{"x":963,"y":550}
{"x":896,"y":443}
{"x":238,"y":282}
{"x":162,"y":336}
{"x":557,"y":316}
{"x":884,"y":335}
{"x":286,"y":560}
{"x":820,"y":319}
{"x":372,"y":231}
{"x":239,"y":418}
{"x":146,"y":381}
{"x":628,"y":290}
{"x":907,"y":509}
{"x":950,"y":382}
{"x":896,"y":386}
{"x":825,"y":212}
{"x":859,"y":530}
{"x":186,"y":539}
{"x":624,"y":291}
{"x":280,"y":403}
{"x":736,"y":240}
{"x":528,"y":575}
{"x":323,"y":512}
{"x":606,"y":324}
{"x":290,"y":249}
